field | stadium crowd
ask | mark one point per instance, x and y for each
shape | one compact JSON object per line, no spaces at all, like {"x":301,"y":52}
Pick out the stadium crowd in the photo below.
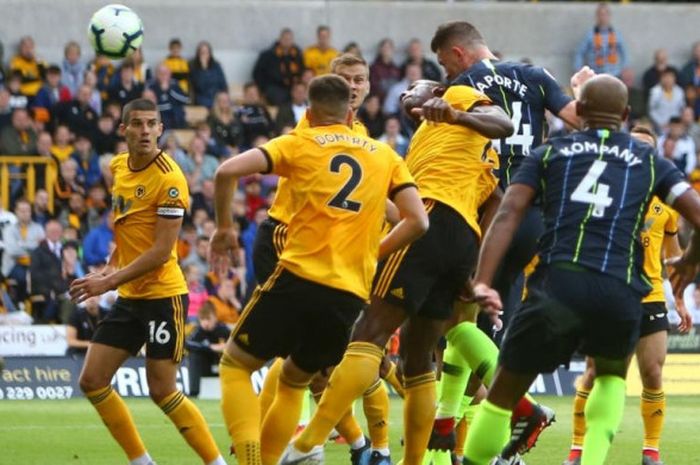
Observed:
{"x":69,"y":113}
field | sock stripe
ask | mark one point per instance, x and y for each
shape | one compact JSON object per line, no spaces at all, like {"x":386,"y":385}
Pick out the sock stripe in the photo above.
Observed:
{"x":582,"y":394}
{"x":228,"y":361}
{"x":365,"y":348}
{"x":373,"y":388}
{"x":390,"y":372}
{"x":172,"y":403}
{"x":95,"y":397}
{"x":453,"y":370}
{"x":482,"y":369}
{"x":419,"y":380}
{"x":653,"y":396}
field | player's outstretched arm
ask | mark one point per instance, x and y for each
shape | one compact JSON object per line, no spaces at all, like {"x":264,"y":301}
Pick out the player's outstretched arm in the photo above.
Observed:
{"x":672,"y":249}
{"x":224,"y":241}
{"x":515,"y":203}
{"x":685,"y":268}
{"x":166,"y":233}
{"x":488,"y":120}
{"x":413,"y":223}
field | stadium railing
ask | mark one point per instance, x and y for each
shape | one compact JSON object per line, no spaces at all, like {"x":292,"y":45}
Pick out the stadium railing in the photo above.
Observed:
{"x":26,"y":170}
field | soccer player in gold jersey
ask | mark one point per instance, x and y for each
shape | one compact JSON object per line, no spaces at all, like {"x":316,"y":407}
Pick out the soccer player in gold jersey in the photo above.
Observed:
{"x":150,"y":197}
{"x":418,"y":285}
{"x":660,"y":240}
{"x":338,"y":183}
{"x":269,"y":243}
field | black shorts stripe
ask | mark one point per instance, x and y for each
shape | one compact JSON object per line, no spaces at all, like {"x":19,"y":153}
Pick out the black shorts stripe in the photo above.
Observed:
{"x":254,"y":298}
{"x":279,"y":238}
{"x":392,"y":265}
{"x":177,"y":315}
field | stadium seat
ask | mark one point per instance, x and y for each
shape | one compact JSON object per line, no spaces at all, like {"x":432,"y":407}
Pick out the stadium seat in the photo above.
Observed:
{"x":184,"y":136}
{"x":235,"y":90}
{"x":195,"y":114}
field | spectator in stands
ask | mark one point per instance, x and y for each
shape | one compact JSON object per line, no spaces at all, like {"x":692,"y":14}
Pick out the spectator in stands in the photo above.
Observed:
{"x":254,"y":117}
{"x":253,"y":198}
{"x":97,"y":243}
{"x":95,"y":100}
{"x":2,"y":68}
{"x":693,"y":304}
{"x":199,"y":166}
{"x":204,"y":199}
{"x":170,"y":98}
{"x":75,"y":214}
{"x":97,"y":204}
{"x":203,"y":131}
{"x":48,"y":283}
{"x":354,"y":48}
{"x":20,"y":137}
{"x":290,"y":114}
{"x":124,"y":86}
{"x":205,"y":346}
{"x":603,"y":49}
{"x":318,"y":57}
{"x":107,"y":136}
{"x":105,"y":160}
{"x":104,"y":70}
{"x":67,"y":184}
{"x":683,"y":154}
{"x":225,"y":303}
{"x":5,"y":109}
{"x":383,"y":73}
{"x":40,"y":210}
{"x":206,"y":76}
{"x":692,"y":128}
{"x":198,"y":259}
{"x":82,"y":324}
{"x":72,"y":67}
{"x":14,"y":85}
{"x":171,"y":146}
{"x":371,"y":116}
{"x":278,"y":68}
{"x":247,"y":240}
{"x":393,"y":137}
{"x":142,"y":72}
{"x":194,"y":277}
{"x":78,"y":114}
{"x":666,"y":100}
{"x":392,"y":105}
{"x":414,"y":55}
{"x":30,"y":68}
{"x":20,"y":239}
{"x":177,"y":65}
{"x":43,"y":149}
{"x":652,"y":75}
{"x":637,"y":99}
{"x":690,"y":73}
{"x":88,"y":162}
{"x":224,"y":124}
{"x":62,"y":148}
{"x":51,"y":94}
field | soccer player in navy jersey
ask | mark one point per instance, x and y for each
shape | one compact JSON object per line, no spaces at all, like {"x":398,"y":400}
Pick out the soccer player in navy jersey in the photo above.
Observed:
{"x":524,"y":92}
{"x":585,"y":294}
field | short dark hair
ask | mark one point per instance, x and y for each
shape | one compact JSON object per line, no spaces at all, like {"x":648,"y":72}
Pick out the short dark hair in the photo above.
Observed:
{"x":207,"y":310}
{"x":456,"y":31}
{"x":202,"y":237}
{"x":646,"y":130}
{"x":53,"y":69}
{"x":140,"y":104}
{"x":322,"y":27}
{"x":249,"y":84}
{"x":174,"y":42}
{"x":329,"y":95}
{"x":347,"y":59}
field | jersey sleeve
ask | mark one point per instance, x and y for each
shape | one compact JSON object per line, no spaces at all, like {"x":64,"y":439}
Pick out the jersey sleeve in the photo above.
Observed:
{"x":279,"y":153}
{"x":400,"y":176}
{"x":671,"y":226}
{"x":670,"y":182}
{"x":173,"y":197}
{"x":531,"y":170}
{"x":554,"y":97}
{"x":465,"y":98}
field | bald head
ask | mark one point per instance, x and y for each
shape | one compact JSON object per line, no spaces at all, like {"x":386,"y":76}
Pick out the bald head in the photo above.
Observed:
{"x":603,"y":101}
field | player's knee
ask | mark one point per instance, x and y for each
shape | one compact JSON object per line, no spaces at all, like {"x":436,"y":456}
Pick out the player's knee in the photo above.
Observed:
{"x":91,"y":382}
{"x":651,"y":374}
{"x":416,"y":362}
{"x":158,"y":392}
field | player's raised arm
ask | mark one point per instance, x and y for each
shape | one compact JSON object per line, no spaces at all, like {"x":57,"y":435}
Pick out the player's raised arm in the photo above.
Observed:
{"x":413,"y":223}
{"x":224,"y":240}
{"x":488,"y":120}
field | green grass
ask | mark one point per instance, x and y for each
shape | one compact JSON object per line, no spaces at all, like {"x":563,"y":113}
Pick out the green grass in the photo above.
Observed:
{"x":70,"y":433}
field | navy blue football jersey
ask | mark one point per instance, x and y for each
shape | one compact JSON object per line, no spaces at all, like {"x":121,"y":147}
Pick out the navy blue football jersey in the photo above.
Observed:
{"x":595,"y":187}
{"x":524,"y":92}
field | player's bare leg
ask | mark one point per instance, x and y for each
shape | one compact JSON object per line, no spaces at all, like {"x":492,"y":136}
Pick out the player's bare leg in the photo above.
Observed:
{"x":161,"y":376}
{"x":651,"y":356}
{"x":357,"y":371}
{"x":101,"y":363}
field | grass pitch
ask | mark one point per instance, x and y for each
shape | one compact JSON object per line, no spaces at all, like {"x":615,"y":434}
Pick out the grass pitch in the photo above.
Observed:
{"x":70,"y":433}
